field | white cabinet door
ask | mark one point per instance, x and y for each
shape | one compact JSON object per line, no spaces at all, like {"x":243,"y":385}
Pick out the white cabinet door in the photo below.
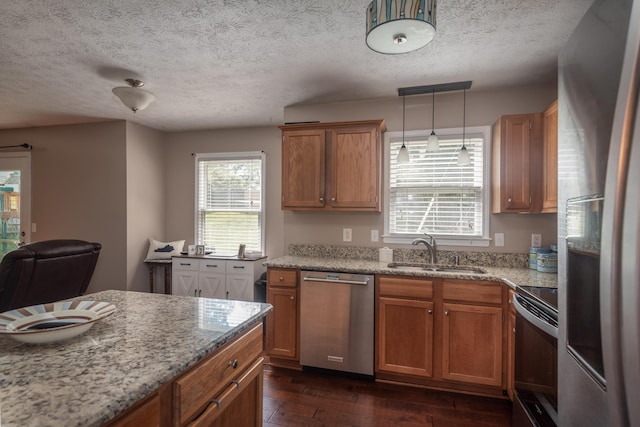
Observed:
{"x":240,"y":287}
{"x":185,"y":282}
{"x":212,"y":285}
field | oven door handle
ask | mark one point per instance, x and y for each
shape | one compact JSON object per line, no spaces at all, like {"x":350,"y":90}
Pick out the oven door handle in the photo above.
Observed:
{"x":534,"y":320}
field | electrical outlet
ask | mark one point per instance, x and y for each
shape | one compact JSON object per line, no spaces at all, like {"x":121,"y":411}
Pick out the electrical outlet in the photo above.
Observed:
{"x":374,"y":236}
{"x":536,"y":240}
{"x":346,"y":234}
{"x":498,"y":239}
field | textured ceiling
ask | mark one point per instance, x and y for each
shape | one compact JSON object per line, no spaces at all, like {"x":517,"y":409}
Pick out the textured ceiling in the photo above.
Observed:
{"x":237,"y":63}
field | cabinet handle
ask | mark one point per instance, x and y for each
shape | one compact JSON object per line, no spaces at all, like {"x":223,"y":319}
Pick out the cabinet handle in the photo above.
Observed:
{"x":185,"y":263}
{"x":195,"y":292}
{"x":239,"y":266}
{"x":212,"y":265}
{"x":430,"y":311}
{"x":233,"y":363}
{"x":446,"y":313}
{"x":200,"y":293}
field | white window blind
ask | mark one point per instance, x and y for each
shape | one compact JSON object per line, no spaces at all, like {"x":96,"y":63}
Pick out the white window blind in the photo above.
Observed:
{"x":230,"y":207}
{"x":432,"y":194}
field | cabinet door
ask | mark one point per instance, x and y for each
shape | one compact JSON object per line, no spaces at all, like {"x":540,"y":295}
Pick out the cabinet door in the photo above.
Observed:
{"x":185,"y":282}
{"x":511,"y":346}
{"x":402,"y":348}
{"x":282,"y":322}
{"x":517,"y":164}
{"x":212,"y":285}
{"x":240,"y":287}
{"x":472,"y":344}
{"x":303,"y":168}
{"x":355,"y":168}
{"x":550,"y":159}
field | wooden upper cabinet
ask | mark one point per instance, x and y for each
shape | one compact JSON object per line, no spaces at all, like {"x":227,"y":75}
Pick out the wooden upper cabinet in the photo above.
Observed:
{"x":517,"y":164}
{"x":550,"y":159}
{"x":332,"y":166}
{"x":303,"y":168}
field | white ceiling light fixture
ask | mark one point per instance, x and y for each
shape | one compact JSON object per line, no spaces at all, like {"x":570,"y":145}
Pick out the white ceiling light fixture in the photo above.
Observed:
{"x":133,"y":96}
{"x":395,"y":26}
{"x":432,"y":142}
{"x":403,"y":153}
{"x":464,"y":159}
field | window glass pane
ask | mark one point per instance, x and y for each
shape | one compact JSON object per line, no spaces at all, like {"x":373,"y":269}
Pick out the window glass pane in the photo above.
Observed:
{"x":230,"y":203}
{"x":432,"y":194}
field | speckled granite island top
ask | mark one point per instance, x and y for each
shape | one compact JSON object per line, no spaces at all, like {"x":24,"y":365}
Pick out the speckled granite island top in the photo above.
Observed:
{"x":147,"y":342}
{"x":511,"y":276}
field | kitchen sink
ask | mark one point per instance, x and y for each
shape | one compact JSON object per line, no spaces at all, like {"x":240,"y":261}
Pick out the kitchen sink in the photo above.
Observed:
{"x":459,"y":269}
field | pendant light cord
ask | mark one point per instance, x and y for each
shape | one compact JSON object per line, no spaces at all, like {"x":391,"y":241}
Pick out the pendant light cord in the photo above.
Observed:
{"x":464,"y":118}
{"x":403,"y":100}
{"x":433,"y":110}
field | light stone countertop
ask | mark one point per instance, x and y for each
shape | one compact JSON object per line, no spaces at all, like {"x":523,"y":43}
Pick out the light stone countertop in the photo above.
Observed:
{"x":510,"y":276}
{"x":147,"y":342}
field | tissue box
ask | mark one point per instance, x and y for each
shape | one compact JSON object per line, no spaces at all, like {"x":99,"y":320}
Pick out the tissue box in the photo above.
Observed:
{"x":385,"y":254}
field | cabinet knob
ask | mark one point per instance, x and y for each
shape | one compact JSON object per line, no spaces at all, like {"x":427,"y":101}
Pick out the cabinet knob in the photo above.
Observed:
{"x":333,"y":199}
{"x":509,"y":200}
{"x":292,"y":298}
{"x":430,"y":311}
{"x":281,"y":279}
{"x":233,"y":363}
{"x":446,"y":313}
{"x":322,"y":199}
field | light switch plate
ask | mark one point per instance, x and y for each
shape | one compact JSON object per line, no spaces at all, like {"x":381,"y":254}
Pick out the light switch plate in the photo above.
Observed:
{"x":346,"y":234}
{"x":536,"y":240}
{"x":374,"y":236}
{"x":498,"y":239}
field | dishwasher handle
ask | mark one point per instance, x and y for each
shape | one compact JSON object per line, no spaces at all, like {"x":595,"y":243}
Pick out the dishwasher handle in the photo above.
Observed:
{"x":348,"y":282}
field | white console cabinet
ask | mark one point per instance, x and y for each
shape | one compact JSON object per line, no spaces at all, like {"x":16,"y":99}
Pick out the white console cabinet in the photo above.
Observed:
{"x":216,"y":278}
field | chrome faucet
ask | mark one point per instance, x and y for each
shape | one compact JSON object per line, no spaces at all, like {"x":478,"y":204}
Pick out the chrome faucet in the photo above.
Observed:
{"x":430,"y":242}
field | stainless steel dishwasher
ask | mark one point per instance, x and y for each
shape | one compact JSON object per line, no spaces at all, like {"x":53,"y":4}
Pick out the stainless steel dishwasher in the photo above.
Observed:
{"x":336,"y":321}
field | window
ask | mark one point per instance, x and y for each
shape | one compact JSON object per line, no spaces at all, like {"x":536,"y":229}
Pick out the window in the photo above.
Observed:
{"x":432,"y":194}
{"x":229,"y":201}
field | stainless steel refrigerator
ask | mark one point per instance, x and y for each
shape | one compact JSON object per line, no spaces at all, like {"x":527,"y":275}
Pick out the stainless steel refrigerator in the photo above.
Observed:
{"x":599,"y":219}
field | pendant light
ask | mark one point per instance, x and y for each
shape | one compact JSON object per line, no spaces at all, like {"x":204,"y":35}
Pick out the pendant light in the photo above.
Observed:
{"x":403,"y":154}
{"x":464,"y":158}
{"x":432,"y":142}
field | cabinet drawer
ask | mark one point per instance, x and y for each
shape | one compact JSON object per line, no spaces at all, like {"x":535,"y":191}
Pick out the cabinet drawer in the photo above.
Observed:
{"x":194,"y":390}
{"x":278,"y":277}
{"x":240,"y":268}
{"x":212,"y":265}
{"x":407,"y":287}
{"x":472,"y":291}
{"x":185,"y":264}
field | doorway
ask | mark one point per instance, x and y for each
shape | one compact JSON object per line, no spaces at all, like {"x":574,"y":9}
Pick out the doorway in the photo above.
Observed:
{"x":15,"y":201}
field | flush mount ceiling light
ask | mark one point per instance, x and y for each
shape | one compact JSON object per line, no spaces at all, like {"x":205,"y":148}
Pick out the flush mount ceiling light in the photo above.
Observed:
{"x":400,"y":26}
{"x":133,"y":96}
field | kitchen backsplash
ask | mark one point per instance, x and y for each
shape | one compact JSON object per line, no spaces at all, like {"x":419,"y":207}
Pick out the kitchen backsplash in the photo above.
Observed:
{"x":489,"y":259}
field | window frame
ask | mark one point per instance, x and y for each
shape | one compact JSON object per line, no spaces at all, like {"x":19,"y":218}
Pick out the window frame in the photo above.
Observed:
{"x":239,"y":155}
{"x":443,"y":240}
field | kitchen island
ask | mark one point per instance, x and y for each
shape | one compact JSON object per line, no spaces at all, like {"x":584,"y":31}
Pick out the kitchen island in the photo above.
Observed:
{"x":147,"y":351}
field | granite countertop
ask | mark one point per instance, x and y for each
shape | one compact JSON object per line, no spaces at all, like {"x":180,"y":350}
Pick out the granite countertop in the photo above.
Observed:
{"x":511,"y":276}
{"x":89,"y":379}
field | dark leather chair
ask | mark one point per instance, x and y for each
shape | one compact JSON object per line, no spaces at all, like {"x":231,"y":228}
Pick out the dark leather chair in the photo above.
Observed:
{"x":46,"y":271}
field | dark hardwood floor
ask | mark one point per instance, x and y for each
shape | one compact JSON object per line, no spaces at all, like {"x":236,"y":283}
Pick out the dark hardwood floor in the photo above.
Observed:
{"x":293,"y":398}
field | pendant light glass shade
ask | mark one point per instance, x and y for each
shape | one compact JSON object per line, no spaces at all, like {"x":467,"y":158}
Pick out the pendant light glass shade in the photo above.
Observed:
{"x":403,"y":153}
{"x":432,"y":142}
{"x":464,"y":158}
{"x":133,"y":96}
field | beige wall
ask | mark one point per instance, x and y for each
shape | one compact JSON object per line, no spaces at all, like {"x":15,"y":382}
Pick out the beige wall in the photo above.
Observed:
{"x":79,"y":190}
{"x":482,"y":108}
{"x":145,"y":202}
{"x":180,"y":178}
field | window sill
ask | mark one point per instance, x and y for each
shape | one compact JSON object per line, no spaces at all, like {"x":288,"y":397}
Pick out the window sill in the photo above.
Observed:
{"x":482,"y":242}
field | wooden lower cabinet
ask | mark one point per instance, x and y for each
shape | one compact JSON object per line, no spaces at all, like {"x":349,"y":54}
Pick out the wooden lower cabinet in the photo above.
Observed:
{"x":401,"y":349}
{"x":444,"y":334}
{"x":224,"y":389}
{"x":472,"y":344}
{"x":283,"y":321}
